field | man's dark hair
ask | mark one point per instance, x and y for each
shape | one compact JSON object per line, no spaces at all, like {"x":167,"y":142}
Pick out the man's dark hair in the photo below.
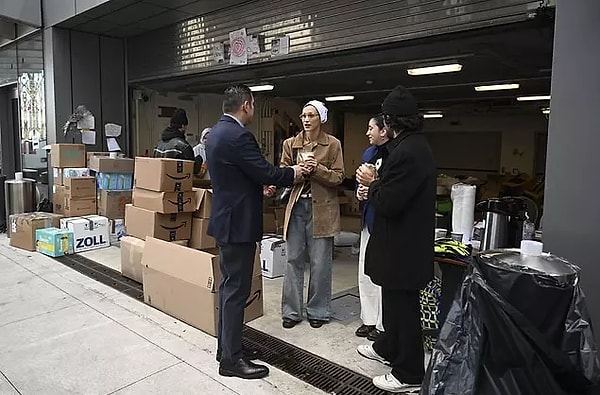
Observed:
{"x":396,"y":124}
{"x":235,"y":96}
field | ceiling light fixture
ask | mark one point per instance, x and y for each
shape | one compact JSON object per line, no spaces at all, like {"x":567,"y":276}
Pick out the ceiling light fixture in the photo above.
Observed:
{"x":431,"y":115}
{"x":340,"y":98}
{"x":262,"y":88}
{"x":533,"y":98}
{"x":498,"y":87}
{"x":546,"y":110}
{"x":439,"y":69}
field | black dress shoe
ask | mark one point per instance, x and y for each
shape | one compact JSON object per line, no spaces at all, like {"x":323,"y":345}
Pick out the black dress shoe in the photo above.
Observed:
{"x":243,"y":369}
{"x":364,"y":330}
{"x":289,"y":323}
{"x":316,"y":323}
{"x":249,"y":353}
{"x":374,"y":335}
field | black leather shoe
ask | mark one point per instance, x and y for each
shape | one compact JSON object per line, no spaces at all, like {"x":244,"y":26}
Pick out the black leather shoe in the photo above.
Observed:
{"x":364,"y":330}
{"x":374,"y":335}
{"x":249,"y":353}
{"x":316,"y":323}
{"x":243,"y":369}
{"x":289,"y":323}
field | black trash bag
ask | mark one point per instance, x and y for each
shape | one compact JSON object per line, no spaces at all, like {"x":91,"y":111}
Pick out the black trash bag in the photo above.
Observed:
{"x":533,"y":345}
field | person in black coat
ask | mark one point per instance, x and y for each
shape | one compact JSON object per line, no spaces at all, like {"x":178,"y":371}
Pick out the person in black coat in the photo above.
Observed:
{"x":399,"y":254}
{"x":240,"y":175}
{"x":173,"y":143}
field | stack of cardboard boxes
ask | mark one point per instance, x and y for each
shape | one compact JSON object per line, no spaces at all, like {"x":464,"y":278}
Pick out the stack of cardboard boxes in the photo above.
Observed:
{"x":74,"y":191}
{"x":168,"y":249}
{"x":114,"y":177}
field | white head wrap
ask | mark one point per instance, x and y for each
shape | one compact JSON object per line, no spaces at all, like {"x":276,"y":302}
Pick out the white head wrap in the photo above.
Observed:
{"x":320,"y":108}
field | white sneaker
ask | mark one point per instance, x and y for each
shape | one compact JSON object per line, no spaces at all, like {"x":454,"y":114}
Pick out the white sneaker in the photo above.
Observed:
{"x":389,"y":383}
{"x":367,"y":351}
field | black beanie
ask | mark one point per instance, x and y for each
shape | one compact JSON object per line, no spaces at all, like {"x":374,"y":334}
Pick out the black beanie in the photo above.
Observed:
{"x":400,"y":102}
{"x":179,"y":118}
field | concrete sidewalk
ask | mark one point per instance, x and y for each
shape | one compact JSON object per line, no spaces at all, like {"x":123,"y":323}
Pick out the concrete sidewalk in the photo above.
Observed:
{"x":64,"y":333}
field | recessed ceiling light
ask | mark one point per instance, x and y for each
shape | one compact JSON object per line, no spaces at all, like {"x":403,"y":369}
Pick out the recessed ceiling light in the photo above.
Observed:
{"x":369,"y":82}
{"x":498,"y":87}
{"x":340,"y":98}
{"x":533,"y":98}
{"x":430,"y":115}
{"x":443,"y":68}
{"x":262,"y":88}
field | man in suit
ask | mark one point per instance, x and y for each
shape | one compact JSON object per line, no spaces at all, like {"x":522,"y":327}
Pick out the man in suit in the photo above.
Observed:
{"x":239,"y":174}
{"x":399,"y":256}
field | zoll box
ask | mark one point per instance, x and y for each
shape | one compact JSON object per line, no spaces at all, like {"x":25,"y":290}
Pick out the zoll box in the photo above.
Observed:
{"x":67,"y":155}
{"x":164,"y":175}
{"x":165,"y":202}
{"x":90,"y":232}
{"x":183,"y":282}
{"x":140,"y":223}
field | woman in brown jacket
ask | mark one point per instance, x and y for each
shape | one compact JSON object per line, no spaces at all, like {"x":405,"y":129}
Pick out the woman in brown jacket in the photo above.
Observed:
{"x":312,"y":218}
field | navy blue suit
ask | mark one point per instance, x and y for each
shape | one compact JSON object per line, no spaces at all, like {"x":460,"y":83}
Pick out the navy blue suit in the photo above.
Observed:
{"x":238,"y":172}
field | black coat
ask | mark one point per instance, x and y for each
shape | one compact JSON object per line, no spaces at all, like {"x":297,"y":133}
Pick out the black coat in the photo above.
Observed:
{"x":238,"y":171}
{"x":400,"y":251}
{"x":173,"y":145}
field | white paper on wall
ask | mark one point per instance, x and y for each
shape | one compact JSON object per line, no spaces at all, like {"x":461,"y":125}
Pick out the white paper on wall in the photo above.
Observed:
{"x":112,"y":130}
{"x":113,"y":144}
{"x":88,"y":137}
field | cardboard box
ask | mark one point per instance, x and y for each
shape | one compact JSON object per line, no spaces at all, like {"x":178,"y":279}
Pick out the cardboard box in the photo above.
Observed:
{"x":90,"y":154}
{"x":90,"y":232}
{"x":58,"y":199}
{"x":132,"y":250}
{"x":61,"y":175}
{"x":102,"y":164}
{"x":77,"y":207}
{"x":140,"y":223}
{"x":200,"y":240}
{"x":54,"y":242}
{"x":183,"y":282}
{"x":164,"y":175}
{"x":23,"y":226}
{"x":67,"y":155}
{"x":203,"y":202}
{"x":114,"y":181}
{"x":165,"y":202}
{"x":80,"y":187}
{"x":273,"y":257}
{"x":111,"y":204}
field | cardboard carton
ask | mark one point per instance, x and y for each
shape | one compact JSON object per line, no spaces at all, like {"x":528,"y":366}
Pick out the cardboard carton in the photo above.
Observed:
{"x":203,"y":202}
{"x":111,"y":204}
{"x":89,"y":233}
{"x":80,"y":187}
{"x":114,"y":181}
{"x":61,"y":175}
{"x":22,"y":228}
{"x":164,"y":175}
{"x":183,"y":282}
{"x":54,"y":242}
{"x":77,"y":207}
{"x":102,"y":164}
{"x":140,"y":223}
{"x":200,"y":240}
{"x":58,"y":199}
{"x":165,"y":202}
{"x":90,"y":154}
{"x":67,"y":155}
{"x":132,"y":250}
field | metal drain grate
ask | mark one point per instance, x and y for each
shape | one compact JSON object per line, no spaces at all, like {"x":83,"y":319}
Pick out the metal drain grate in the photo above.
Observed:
{"x":104,"y":275}
{"x":310,"y":368}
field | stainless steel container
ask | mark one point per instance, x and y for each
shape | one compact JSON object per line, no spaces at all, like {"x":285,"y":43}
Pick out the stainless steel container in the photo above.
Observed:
{"x":503,"y":222}
{"x":20,"y":196}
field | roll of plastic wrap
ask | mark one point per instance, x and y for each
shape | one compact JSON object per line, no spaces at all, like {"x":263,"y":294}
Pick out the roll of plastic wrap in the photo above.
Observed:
{"x":463,"y":210}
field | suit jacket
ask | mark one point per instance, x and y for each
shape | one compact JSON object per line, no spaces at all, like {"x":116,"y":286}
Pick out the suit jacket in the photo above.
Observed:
{"x":400,"y":250}
{"x":239,"y":171}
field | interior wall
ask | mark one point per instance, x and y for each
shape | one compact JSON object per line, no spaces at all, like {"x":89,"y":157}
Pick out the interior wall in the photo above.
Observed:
{"x":516,"y":145}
